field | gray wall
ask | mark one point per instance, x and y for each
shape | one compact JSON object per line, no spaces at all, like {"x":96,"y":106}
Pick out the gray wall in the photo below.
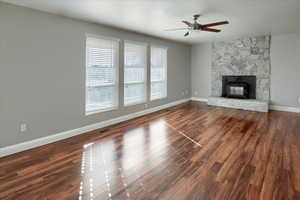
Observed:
{"x":285,"y":69}
{"x":200,"y":69}
{"x":42,"y":73}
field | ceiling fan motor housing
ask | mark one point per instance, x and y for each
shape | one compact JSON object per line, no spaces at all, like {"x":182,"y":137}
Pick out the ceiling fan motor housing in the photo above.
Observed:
{"x":197,"y":26}
{"x":196,"y":16}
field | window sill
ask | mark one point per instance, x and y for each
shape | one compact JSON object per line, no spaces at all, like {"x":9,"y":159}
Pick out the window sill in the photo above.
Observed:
{"x":135,"y":103}
{"x":87,"y":113}
{"x":159,"y":98}
{"x":135,"y":82}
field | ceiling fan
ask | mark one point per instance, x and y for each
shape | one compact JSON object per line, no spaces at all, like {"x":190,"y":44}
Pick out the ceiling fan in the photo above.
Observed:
{"x":200,"y":27}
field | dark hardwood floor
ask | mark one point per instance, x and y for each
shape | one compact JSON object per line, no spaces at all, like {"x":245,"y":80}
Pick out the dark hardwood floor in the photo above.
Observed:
{"x":191,"y":151}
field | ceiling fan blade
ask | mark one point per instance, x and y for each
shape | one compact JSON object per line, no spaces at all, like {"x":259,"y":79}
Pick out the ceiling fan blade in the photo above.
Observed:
{"x":176,"y":29}
{"x":188,"y":23}
{"x":211,"y":30}
{"x":186,"y":34}
{"x":215,"y":24}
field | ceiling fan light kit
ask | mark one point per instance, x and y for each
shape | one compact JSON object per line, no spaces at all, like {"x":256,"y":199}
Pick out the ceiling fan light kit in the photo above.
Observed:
{"x":200,"y":27}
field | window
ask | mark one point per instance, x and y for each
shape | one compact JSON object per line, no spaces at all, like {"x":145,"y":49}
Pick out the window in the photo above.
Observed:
{"x":158,"y":73}
{"x":101,"y":74}
{"x":135,"y":65}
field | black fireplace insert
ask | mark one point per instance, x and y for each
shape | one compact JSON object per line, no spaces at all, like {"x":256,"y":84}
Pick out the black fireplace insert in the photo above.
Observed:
{"x":242,"y":87}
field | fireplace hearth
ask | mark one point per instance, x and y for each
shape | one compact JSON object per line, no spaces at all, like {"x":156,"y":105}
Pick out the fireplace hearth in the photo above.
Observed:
{"x":240,"y":87}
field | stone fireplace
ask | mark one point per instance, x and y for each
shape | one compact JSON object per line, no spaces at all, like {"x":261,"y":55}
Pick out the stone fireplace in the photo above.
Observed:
{"x":240,"y":72}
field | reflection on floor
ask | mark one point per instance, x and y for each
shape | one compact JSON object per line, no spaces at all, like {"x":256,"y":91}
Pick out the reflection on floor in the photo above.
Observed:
{"x":191,"y":151}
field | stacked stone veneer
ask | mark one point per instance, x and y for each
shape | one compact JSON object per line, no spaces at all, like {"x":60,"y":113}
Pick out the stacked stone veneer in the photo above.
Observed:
{"x":246,"y":56}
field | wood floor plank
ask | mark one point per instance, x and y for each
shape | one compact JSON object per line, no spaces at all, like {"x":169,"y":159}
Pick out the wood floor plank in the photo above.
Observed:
{"x":188,"y":152}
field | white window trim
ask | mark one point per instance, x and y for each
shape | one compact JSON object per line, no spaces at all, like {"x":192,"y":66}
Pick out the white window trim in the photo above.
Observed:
{"x":97,"y":111}
{"x":159,"y":46}
{"x":103,"y":37}
{"x":135,"y":103}
{"x":146,"y":74}
{"x":136,"y":43}
{"x":166,"y":73}
{"x":87,"y":113}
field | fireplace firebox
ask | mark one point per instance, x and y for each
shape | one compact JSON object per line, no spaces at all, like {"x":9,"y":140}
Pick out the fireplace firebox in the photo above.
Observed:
{"x":241,"y":87}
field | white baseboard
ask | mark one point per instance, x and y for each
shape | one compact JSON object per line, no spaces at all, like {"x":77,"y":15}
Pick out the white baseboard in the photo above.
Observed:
{"x":199,"y":99}
{"x":284,"y":108}
{"x":67,"y":134}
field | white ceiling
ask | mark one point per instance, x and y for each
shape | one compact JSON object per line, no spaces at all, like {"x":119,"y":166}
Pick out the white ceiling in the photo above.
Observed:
{"x":152,"y":17}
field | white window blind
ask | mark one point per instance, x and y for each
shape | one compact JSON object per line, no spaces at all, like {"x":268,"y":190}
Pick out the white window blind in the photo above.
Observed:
{"x":158,"y":73}
{"x":101,"y":74}
{"x":135,"y":65}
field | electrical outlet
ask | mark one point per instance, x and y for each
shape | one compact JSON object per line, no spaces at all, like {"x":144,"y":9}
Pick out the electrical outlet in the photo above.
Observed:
{"x":23,"y":127}
{"x":146,"y":105}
